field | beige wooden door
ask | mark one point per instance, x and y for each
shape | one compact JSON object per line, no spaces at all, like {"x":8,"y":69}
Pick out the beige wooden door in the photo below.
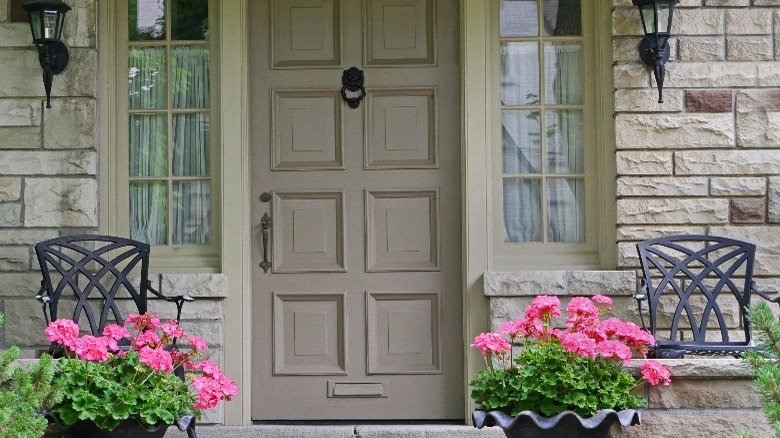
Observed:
{"x":359,"y":315}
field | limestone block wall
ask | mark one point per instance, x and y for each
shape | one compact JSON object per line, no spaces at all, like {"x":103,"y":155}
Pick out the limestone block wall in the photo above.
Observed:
{"x":707,"y":160}
{"x":49,"y":180}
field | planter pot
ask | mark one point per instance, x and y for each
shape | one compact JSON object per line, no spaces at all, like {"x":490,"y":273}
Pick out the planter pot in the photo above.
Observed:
{"x":126,"y":429}
{"x":566,"y":424}
{"x":129,"y":428}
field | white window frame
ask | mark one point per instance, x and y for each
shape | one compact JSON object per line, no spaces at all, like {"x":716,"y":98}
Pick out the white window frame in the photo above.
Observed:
{"x":114,"y":153}
{"x":597,"y":251}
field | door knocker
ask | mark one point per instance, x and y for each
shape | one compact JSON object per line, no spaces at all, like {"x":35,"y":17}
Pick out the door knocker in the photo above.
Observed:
{"x":352,"y":81}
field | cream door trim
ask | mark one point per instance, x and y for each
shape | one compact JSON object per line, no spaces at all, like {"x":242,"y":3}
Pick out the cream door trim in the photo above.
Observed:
{"x":107,"y":117}
{"x":236,"y":249}
{"x":475,"y":48}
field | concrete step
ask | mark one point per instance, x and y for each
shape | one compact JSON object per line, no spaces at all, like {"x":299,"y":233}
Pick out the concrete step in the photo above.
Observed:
{"x":346,"y":431}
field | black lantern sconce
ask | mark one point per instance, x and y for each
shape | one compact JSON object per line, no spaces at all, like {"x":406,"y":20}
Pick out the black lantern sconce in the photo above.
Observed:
{"x":654,"y":48}
{"x":46,"y":19}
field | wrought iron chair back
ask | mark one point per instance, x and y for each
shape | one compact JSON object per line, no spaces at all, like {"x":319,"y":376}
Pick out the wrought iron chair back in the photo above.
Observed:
{"x":693,"y":282}
{"x":97,"y":270}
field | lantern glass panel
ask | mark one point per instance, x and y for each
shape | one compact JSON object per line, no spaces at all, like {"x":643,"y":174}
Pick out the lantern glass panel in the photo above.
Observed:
{"x":663,"y":17}
{"x":648,"y":18}
{"x":49,"y":25}
{"x":60,"y":21}
{"x":35,"y":23}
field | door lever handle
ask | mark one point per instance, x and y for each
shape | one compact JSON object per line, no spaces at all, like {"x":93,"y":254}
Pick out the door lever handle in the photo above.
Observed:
{"x":265,"y":224}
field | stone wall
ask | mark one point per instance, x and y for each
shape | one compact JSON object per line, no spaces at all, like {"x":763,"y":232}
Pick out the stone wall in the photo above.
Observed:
{"x":48,"y":160}
{"x":707,"y":398}
{"x":49,"y":183}
{"x":707,"y":160}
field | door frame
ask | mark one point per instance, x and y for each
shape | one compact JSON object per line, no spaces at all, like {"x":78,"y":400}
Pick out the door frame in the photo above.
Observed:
{"x":233,"y":76}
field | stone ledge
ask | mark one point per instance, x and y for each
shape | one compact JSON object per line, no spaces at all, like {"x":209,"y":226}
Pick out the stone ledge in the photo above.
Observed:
{"x":700,"y":368}
{"x":532,"y":283}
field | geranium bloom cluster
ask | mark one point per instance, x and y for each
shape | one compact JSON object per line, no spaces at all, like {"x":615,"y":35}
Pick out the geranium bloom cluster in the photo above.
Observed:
{"x":585,"y":335}
{"x":150,"y":340}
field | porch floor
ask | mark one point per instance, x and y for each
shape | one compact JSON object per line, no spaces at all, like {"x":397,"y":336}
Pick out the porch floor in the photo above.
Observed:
{"x":345,"y":431}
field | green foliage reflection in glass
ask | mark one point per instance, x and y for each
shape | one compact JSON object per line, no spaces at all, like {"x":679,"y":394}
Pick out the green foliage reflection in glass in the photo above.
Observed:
{"x":147,"y":19}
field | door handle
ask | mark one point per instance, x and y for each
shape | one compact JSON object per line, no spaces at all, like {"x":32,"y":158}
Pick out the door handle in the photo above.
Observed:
{"x":265,"y":224}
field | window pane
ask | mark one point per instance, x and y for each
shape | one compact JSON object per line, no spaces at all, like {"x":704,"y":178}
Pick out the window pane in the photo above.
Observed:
{"x":566,"y":210}
{"x":146,"y":20}
{"x":522,"y":210}
{"x":190,"y":82}
{"x":147,"y":75}
{"x":519,"y":18}
{"x":520,"y":73}
{"x":562,"y":17}
{"x":191,"y":144}
{"x":149,"y":212}
{"x":565,"y":142}
{"x":189,"y":19}
{"x":191,"y":212}
{"x":148,"y":145}
{"x":563,"y":72}
{"x":520,"y":144}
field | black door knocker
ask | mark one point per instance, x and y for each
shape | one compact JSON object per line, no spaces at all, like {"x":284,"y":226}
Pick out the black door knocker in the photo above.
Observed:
{"x":352,"y":81}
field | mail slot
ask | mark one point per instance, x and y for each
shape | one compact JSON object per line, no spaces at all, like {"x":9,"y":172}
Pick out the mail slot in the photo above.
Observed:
{"x":357,"y":389}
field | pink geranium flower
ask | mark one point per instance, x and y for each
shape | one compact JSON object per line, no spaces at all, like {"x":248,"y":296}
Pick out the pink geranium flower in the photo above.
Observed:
{"x":655,"y":373}
{"x":116,"y":332}
{"x":64,"y":332}
{"x":147,"y":321}
{"x":490,"y":343}
{"x":92,"y":349}
{"x":197,"y":343}
{"x":156,"y":358}
{"x":614,"y":349}
{"x":544,"y":307}
{"x":580,"y":344}
{"x":172,"y":329}
{"x":602,"y":299}
{"x":147,"y":339}
{"x":209,"y":368}
{"x":213,"y":389}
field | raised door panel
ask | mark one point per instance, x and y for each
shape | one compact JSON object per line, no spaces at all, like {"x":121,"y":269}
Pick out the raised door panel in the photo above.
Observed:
{"x":401,"y":129}
{"x":402,"y":230}
{"x":309,"y":334}
{"x":305,"y":33}
{"x":400,"y":33}
{"x":308,"y":232}
{"x":403,"y":333}
{"x":306,"y":127}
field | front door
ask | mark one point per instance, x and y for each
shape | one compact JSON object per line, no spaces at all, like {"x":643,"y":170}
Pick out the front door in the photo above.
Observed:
{"x":359,"y":314}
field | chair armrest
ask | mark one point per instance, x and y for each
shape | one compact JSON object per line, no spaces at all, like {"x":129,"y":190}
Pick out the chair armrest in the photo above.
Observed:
{"x":640,"y":295}
{"x":762,"y":294}
{"x":179,"y":299}
{"x":44,"y":300}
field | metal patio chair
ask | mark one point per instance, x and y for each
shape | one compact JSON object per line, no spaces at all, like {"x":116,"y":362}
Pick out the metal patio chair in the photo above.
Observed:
{"x":697,"y":288}
{"x":97,"y":270}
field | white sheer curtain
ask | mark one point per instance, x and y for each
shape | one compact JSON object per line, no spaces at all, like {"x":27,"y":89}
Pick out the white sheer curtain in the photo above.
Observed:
{"x":187,"y":177}
{"x":565,"y":143}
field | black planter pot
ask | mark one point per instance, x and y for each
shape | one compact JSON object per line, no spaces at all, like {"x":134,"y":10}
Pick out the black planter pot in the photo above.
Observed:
{"x":566,"y":424}
{"x":126,"y":429}
{"x":129,"y":428}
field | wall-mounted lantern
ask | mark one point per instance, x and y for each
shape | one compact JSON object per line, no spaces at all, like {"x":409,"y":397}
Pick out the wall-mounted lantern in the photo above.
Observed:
{"x":654,"y":48}
{"x":46,"y":19}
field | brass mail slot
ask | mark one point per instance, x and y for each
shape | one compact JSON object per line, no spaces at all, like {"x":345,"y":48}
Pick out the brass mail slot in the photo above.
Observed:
{"x":357,"y":389}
